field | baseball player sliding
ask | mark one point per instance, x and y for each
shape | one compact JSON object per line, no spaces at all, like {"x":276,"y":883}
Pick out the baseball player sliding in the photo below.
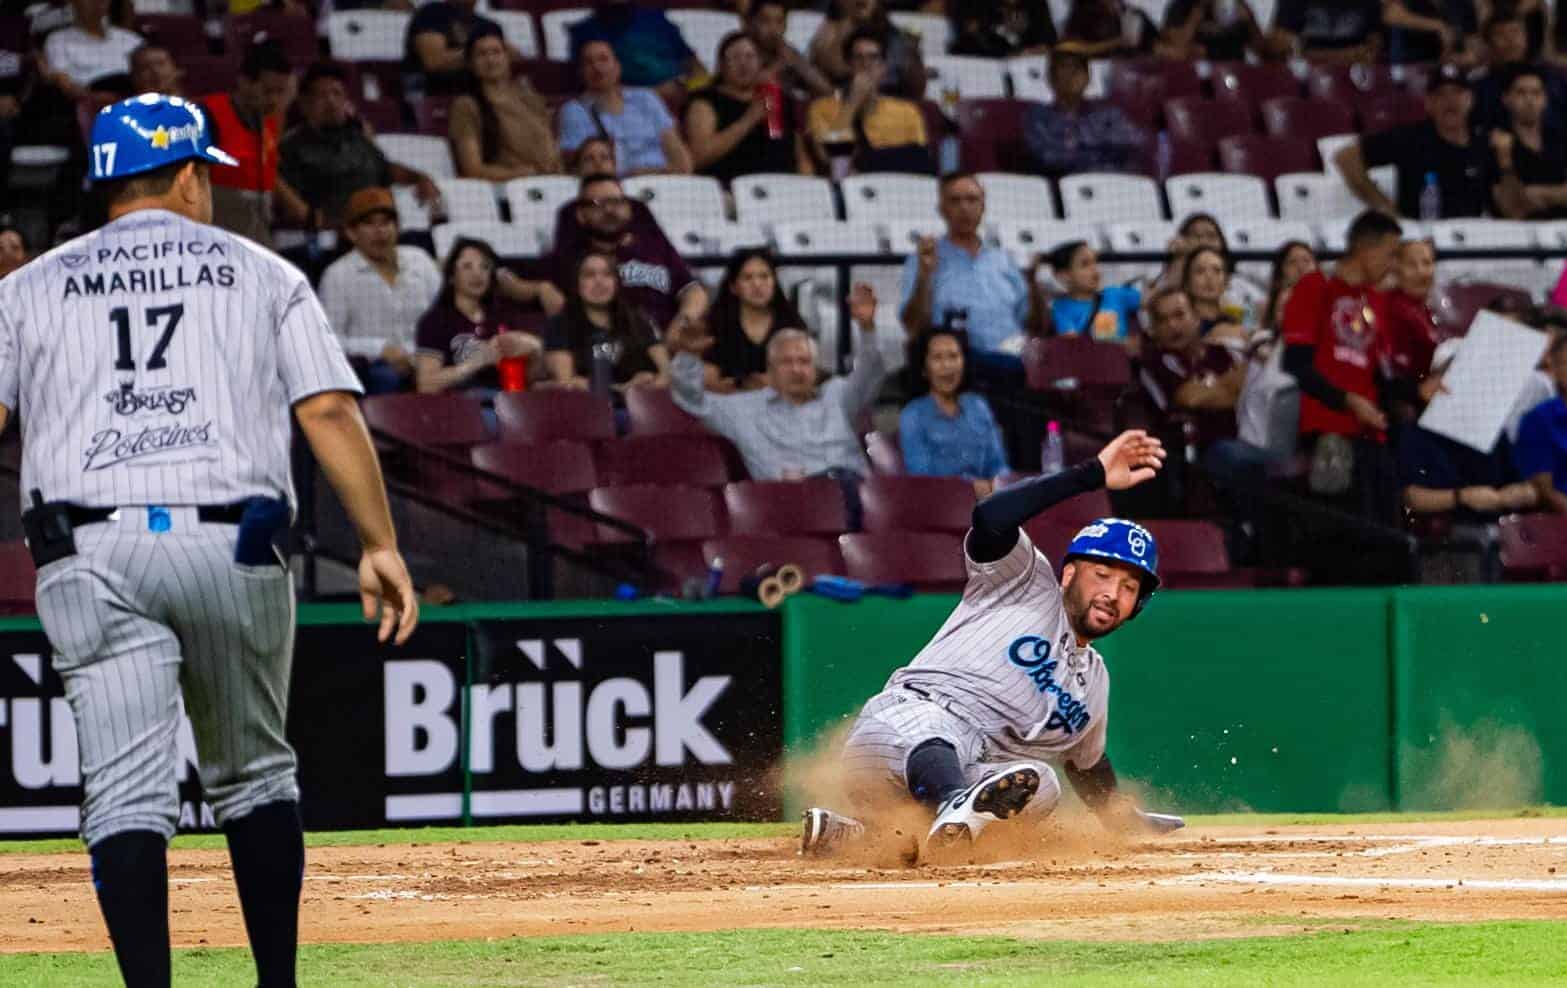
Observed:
{"x":1011,"y":680}
{"x":153,"y":364}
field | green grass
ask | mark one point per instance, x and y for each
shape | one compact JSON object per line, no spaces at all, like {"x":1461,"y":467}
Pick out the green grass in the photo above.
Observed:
{"x":1512,"y":953}
{"x":720,"y":831}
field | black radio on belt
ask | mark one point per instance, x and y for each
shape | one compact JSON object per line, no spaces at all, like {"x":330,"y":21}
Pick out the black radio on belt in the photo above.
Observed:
{"x":47,"y":525}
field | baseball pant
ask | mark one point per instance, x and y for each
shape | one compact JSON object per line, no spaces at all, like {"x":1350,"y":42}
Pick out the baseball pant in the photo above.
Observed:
{"x":896,"y":721}
{"x":146,"y":610}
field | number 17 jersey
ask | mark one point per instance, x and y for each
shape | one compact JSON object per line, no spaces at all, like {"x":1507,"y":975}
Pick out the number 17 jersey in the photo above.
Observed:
{"x":156,"y":360}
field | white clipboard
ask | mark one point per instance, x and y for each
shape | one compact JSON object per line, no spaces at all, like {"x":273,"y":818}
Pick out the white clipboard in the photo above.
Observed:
{"x":1483,"y":382}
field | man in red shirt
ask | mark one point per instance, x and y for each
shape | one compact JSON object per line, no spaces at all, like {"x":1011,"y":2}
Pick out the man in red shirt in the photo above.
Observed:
{"x":250,"y":119}
{"x":1331,"y":328}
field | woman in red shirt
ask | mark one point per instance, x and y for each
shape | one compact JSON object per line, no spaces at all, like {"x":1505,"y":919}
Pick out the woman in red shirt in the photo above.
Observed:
{"x":1409,"y":337}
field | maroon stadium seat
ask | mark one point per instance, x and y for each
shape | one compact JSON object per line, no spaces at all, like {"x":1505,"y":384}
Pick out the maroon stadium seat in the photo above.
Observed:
{"x":1380,"y":111}
{"x":653,"y":412}
{"x":17,"y":578}
{"x":813,"y":506}
{"x":179,"y":33}
{"x":1050,"y":537}
{"x":551,"y":79}
{"x":695,"y":460}
{"x":1251,"y":84}
{"x":432,"y":115}
{"x":667,"y":514}
{"x":1457,"y":303}
{"x":1192,"y":554}
{"x":1078,"y":511}
{"x":383,"y":115}
{"x":1267,"y":157}
{"x":547,"y":414}
{"x":296,"y":34}
{"x":1346,"y":84}
{"x":743,"y":554}
{"x":206,"y":75}
{"x":1291,"y":116}
{"x":1158,"y":79}
{"x":560,"y":467}
{"x":917,"y":504}
{"x":885,"y":454}
{"x":449,"y":419}
{"x":1188,"y":157}
{"x":992,"y":135}
{"x":1534,"y":547}
{"x":1205,"y":121}
{"x":1052,"y":362}
{"x":929,"y":561}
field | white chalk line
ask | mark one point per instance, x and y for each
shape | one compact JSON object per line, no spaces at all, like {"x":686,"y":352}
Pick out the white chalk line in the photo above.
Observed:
{"x":1348,"y":881}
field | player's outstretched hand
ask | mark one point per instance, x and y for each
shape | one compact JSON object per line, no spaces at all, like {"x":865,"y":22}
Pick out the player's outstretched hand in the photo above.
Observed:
{"x":384,"y":585}
{"x":1131,"y":458}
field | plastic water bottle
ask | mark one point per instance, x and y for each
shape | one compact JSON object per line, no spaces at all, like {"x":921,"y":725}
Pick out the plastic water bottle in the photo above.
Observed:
{"x":603,"y":368}
{"x":1431,"y":199}
{"x":1052,"y":454}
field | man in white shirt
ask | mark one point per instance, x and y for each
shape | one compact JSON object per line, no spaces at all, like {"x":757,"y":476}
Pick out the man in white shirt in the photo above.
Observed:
{"x":375,"y":294}
{"x":89,"y":50}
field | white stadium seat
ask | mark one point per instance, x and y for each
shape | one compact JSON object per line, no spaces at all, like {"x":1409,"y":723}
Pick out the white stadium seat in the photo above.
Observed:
{"x":1315,"y":196}
{"x":973,"y":78}
{"x":679,"y":199}
{"x":933,"y":30}
{"x":508,"y":239}
{"x":802,"y":27}
{"x":1267,"y":234}
{"x":903,"y":235}
{"x":1138,"y":236}
{"x":768,"y":199}
{"x":517,"y":28}
{"x":1017,"y":198}
{"x":1098,"y":197}
{"x":367,"y":35}
{"x":537,"y":200}
{"x":811,"y":237}
{"x":1228,"y":198}
{"x":469,"y":200}
{"x":412,"y":215}
{"x":1026,"y":240}
{"x":1030,"y":77}
{"x":703,"y":30}
{"x":880,"y":197}
{"x":422,"y":152}
{"x":557,"y":41}
{"x":1479,"y":233}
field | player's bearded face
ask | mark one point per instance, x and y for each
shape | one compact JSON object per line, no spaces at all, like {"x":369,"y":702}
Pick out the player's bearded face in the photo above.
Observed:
{"x":1099,"y":597}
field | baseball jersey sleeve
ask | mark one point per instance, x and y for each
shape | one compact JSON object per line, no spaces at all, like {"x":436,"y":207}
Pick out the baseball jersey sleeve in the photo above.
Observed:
{"x":1087,"y":752}
{"x":1007,"y":575}
{"x":310,"y":357}
{"x":10,"y":377}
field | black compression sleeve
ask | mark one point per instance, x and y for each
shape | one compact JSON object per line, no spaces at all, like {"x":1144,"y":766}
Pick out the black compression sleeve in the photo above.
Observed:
{"x":1299,"y":364}
{"x":998,"y":517}
{"x":1095,"y":785}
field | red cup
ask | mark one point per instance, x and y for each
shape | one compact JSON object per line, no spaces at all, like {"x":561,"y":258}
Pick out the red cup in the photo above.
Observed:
{"x":514,"y":373}
{"x":772,"y":95}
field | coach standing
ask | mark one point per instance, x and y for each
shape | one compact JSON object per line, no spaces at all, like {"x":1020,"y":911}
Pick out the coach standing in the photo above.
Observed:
{"x":153,"y":364}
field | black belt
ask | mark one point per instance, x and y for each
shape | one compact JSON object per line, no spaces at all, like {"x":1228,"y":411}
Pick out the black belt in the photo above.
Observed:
{"x":212,"y":514}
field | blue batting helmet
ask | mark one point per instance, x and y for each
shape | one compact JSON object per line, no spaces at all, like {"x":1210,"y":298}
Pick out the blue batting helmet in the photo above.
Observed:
{"x":149,"y":131}
{"x":1120,"y":541}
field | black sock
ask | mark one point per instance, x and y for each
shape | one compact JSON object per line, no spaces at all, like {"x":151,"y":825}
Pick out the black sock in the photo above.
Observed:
{"x":267,"y":847}
{"x":130,"y":873}
{"x":934,"y":772}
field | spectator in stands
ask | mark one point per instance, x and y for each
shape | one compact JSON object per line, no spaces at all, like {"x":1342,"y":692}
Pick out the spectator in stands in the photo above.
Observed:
{"x":1291,"y":262}
{"x":1107,"y":29}
{"x":1196,"y":230}
{"x":248,"y":121}
{"x":751,"y":306}
{"x":1327,"y":30}
{"x":375,"y":294}
{"x":434,"y":46}
{"x":645,"y":136}
{"x":1205,"y":281}
{"x":329,"y":156}
{"x":793,"y":428}
{"x":468,"y":330}
{"x":736,"y":127}
{"x":903,"y":69}
{"x":1507,"y":45}
{"x":91,"y":52}
{"x":949,"y":431}
{"x":887,"y":133}
{"x":645,"y":42}
{"x":1530,"y":165}
{"x":1408,"y":333}
{"x":1000,"y":28}
{"x":153,"y":71}
{"x":957,"y":282}
{"x":500,"y":126}
{"x":767,"y":22}
{"x":1074,"y":134}
{"x":1185,"y":375}
{"x":1440,"y":476}
{"x":1215,"y":30}
{"x":598,"y":316}
{"x":1431,"y":31}
{"x":14,"y":249}
{"x":595,"y":156}
{"x":653,"y":277}
{"x":1331,"y":329}
{"x":1541,"y":453}
{"x":1441,"y":146}
{"x":1086,"y":306}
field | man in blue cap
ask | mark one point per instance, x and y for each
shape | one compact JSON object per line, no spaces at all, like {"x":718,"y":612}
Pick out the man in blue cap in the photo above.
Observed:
{"x":1012,"y":680}
{"x":155,"y":364}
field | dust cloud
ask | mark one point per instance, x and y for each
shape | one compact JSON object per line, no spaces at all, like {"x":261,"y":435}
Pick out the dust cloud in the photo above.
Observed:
{"x":1486,"y":765}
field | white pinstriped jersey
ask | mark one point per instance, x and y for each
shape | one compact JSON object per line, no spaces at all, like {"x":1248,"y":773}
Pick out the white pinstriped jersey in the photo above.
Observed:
{"x":156,"y":360}
{"x":1007,"y":660}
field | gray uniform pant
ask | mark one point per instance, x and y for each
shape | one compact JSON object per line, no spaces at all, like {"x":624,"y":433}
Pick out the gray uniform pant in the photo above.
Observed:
{"x":137,"y":617}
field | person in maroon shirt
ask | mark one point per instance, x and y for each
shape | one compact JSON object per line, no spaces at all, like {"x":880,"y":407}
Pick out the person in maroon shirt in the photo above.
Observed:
{"x":462,"y":337}
{"x":1330,"y":330}
{"x":1410,"y":336}
{"x":1187,"y":377}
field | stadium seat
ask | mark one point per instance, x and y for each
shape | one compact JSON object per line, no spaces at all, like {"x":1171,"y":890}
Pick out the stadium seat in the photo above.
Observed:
{"x":991,"y":131}
{"x":431,"y":155}
{"x":1384,"y":110}
{"x":830,"y":237}
{"x":205,"y":75}
{"x":518,"y":30}
{"x":768,"y":199}
{"x":813,"y":506}
{"x":1029,"y":76}
{"x":903,"y":235}
{"x":742,"y":555}
{"x":1534,"y":547}
{"x":885,"y":454}
{"x":882,"y":196}
{"x":1314,"y":196}
{"x":180,"y":33}
{"x":1472,"y":234}
{"x":507,"y":239}
{"x":933,"y":31}
{"x":1206,"y":121}
{"x":550,"y":414}
{"x":433,"y":115}
{"x":1291,"y":116}
{"x":1346,"y":84}
{"x":930,"y":562}
{"x":1072,"y":363}
{"x":1192,"y":554}
{"x":469,"y":200}
{"x":1075,"y":512}
{"x":1457,"y":303}
{"x":413,"y":216}
{"x":1229,"y":198}
{"x":557,"y":40}
{"x":675,"y":199}
{"x":970,"y":78}
{"x":1265,"y":156}
{"x":654,"y":413}
{"x":1551,"y":234}
{"x":1050,"y":537}
{"x":1241,"y":82}
{"x":1267,"y":234}
{"x":536,"y":201}
{"x":802,"y":27}
{"x":909,"y":503}
{"x":1144,"y":235}
{"x":367,"y":35}
{"x":668,"y":514}
{"x":1188,"y":157}
{"x":703,"y":30}
{"x":698,"y":461}
{"x":1017,"y":198}
{"x":446,"y":419}
{"x":381,"y":114}
{"x":714,"y":237}
{"x":1100,"y":197}
{"x":1025,"y":241}
{"x":296,"y":34}
{"x":17,"y":578}
{"x":559,"y":467}
{"x":1141,"y":87}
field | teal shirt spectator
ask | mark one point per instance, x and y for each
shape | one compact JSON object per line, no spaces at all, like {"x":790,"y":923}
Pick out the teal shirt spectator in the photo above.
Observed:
{"x":967,"y":444}
{"x":988,"y":285}
{"x":1542,"y":443}
{"x":1121,"y":302}
{"x":649,"y":46}
{"x":636,"y":130}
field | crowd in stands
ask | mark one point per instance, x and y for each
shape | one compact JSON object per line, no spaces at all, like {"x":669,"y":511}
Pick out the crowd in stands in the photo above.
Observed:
{"x":1313,"y":377}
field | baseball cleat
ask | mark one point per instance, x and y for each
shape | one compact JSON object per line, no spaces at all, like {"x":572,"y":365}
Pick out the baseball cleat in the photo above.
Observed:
{"x":823,"y":831}
{"x":998,"y":796}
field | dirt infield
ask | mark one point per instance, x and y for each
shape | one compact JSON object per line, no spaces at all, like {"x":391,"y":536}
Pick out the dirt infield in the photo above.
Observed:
{"x":1212,"y":882}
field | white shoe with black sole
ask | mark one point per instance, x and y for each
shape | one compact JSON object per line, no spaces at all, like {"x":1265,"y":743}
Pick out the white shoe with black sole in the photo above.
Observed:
{"x":998,"y":796}
{"x":822,"y":831}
